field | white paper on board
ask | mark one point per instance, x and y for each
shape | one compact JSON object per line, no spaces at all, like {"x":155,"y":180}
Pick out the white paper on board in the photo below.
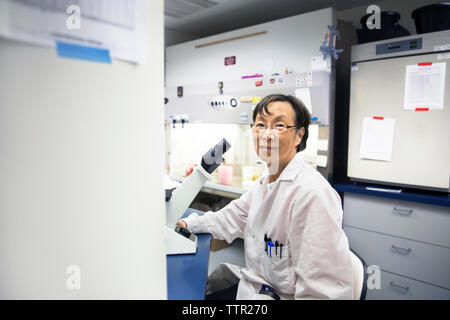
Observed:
{"x":424,"y":86}
{"x":377,"y":139}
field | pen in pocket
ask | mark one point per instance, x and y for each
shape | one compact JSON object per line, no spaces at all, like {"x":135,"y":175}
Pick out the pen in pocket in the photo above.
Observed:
{"x":270,"y":245}
{"x":265,"y":242}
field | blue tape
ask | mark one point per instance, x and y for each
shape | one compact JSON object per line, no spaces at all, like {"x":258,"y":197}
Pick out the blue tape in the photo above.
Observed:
{"x":75,"y":51}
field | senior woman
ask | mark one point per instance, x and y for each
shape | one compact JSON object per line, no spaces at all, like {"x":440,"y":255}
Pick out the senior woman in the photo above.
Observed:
{"x":290,"y":219}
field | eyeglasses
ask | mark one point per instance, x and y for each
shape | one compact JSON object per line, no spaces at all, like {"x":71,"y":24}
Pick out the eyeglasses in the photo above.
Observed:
{"x":278,"y":128}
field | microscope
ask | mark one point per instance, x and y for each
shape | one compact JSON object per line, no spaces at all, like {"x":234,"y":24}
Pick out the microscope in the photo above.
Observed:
{"x":180,"y":240}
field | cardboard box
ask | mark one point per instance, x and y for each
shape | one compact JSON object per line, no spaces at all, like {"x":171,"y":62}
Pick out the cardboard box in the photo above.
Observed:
{"x":217,"y":245}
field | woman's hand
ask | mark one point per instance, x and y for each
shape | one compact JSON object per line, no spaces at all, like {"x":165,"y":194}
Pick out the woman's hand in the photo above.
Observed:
{"x":182,"y":224}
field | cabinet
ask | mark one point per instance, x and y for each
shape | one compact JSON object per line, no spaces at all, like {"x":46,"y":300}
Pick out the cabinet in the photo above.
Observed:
{"x":409,"y":241}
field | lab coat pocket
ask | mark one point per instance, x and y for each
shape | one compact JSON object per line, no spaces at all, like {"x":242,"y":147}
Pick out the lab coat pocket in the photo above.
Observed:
{"x":276,"y":268}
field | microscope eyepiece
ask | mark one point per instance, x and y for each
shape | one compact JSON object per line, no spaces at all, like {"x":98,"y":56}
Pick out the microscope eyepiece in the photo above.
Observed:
{"x":213,"y":158}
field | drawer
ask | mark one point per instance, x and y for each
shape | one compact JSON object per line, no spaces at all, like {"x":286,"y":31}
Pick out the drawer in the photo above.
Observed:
{"x":395,"y":287}
{"x":417,"y":260}
{"x":411,"y":220}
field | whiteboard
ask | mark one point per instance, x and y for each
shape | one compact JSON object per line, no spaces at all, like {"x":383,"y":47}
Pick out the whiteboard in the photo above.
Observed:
{"x":421,"y":148}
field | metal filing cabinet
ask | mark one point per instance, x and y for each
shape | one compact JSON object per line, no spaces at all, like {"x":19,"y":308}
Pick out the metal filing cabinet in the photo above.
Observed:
{"x":409,"y":241}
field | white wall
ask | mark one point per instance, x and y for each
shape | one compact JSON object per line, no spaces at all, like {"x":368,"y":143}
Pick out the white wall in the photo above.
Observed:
{"x":81,"y":167}
{"x":289,"y":42}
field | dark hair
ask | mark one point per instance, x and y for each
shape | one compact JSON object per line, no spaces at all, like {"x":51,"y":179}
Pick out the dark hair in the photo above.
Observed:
{"x":302,"y":116}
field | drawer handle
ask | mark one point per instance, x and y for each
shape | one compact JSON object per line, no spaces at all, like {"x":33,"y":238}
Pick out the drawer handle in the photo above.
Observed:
{"x":403,"y":212}
{"x":399,"y":286}
{"x":400,"y":250}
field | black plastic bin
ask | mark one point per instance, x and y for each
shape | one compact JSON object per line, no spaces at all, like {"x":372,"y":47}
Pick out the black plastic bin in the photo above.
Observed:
{"x":390,"y":28}
{"x":432,"y":18}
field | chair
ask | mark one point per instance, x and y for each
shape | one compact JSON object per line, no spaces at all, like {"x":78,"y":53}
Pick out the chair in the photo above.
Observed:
{"x":359,"y":267}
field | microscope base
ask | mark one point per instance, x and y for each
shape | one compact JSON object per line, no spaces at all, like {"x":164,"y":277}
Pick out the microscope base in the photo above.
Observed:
{"x":179,"y":244}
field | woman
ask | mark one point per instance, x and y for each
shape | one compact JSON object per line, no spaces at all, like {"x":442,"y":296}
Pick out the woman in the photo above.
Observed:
{"x":290,"y":218}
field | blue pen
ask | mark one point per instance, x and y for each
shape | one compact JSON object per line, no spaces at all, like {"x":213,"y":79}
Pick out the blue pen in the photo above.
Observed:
{"x":269,"y":240}
{"x":270,"y":244}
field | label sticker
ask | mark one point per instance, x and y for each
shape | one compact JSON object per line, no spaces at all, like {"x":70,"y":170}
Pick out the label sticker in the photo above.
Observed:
{"x":230,"y":60}
{"x":443,"y":56}
{"x":442,"y":47}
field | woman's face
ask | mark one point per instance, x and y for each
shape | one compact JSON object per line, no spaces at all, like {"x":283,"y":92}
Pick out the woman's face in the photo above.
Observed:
{"x":276,"y":147}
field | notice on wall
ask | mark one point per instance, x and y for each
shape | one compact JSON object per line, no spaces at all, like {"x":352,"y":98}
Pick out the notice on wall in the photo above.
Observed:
{"x":377,"y":139}
{"x":319,"y":63}
{"x":424,"y":86}
{"x":117,"y":26}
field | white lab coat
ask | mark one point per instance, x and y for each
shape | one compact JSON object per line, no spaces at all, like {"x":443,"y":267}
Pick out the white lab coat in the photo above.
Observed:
{"x":301,"y":211}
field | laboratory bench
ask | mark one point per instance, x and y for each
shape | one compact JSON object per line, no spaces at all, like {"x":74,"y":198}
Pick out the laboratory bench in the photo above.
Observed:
{"x":187,"y":273}
{"x":405,"y":234}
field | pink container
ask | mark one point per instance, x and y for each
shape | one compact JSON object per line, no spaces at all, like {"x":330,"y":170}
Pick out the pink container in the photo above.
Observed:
{"x":225,"y":174}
